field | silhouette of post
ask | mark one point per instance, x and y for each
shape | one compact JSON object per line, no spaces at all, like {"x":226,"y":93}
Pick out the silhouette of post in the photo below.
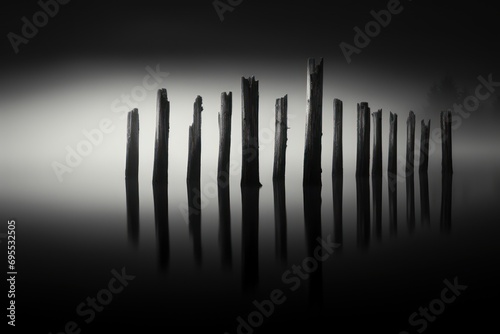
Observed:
{"x":314,"y":124}
{"x":250,"y":132}
{"x":393,"y":145}
{"x":338,"y":162}
{"x":410,"y":144}
{"x":447,"y":161}
{"x":194,"y":147}
{"x":363,"y":147}
{"x":160,"y":169}
{"x":132,"y":158}
{"x":424,"y":146}
{"x":280,"y":138}
{"x":225,"y":116}
{"x":377,"y":143}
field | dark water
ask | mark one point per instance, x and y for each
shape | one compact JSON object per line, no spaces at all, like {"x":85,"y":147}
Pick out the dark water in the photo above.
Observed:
{"x":395,"y":245}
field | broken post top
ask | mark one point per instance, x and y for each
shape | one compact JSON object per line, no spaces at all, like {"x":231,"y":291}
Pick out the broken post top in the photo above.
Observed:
{"x":411,"y":117}
{"x":393,"y":117}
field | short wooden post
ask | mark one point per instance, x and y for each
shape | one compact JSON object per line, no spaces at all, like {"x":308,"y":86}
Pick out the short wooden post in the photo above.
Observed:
{"x":194,"y":153}
{"x":132,"y":158}
{"x":377,"y":143}
{"x":160,"y":167}
{"x":338,"y":162}
{"x":363,"y":147}
{"x":225,"y":116}
{"x":314,"y":124}
{"x":280,"y":138}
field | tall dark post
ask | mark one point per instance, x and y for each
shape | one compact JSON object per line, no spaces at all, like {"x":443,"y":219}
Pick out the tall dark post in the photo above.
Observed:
{"x":393,"y":145}
{"x":225,"y":116}
{"x":424,"y":146}
{"x":280,"y":138}
{"x":410,"y":144}
{"x":377,"y":144}
{"x":314,"y":124}
{"x":132,"y":159}
{"x":250,"y":132}
{"x":338,"y":162}
{"x":363,"y":148}
{"x":194,"y":154}
{"x":447,"y":161}
{"x":160,"y":169}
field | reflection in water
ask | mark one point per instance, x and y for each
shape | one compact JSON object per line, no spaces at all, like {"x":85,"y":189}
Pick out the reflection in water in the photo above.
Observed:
{"x":410,"y":202}
{"x":363,"y":211}
{"x":132,"y":195}
{"x":280,"y":221}
{"x":424,"y":199}
{"x":250,"y":237}
{"x":160,"y":193}
{"x":194,"y":203}
{"x":337,"y":186}
{"x":312,"y":221}
{"x":225,"y":226}
{"x":377,"y":205}
{"x":393,"y":203}
{"x":447,"y":182}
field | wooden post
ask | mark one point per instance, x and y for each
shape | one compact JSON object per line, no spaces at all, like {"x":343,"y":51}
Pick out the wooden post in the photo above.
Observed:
{"x":280,"y":138}
{"x":447,"y":161}
{"x":377,"y":143}
{"x":363,"y":148}
{"x":338,"y":162}
{"x":160,"y":169}
{"x":424,"y":146}
{"x":410,"y":144}
{"x":250,"y":132}
{"x":314,"y":124}
{"x":393,"y":145}
{"x":225,"y":116}
{"x":194,"y":153}
{"x":132,"y":159}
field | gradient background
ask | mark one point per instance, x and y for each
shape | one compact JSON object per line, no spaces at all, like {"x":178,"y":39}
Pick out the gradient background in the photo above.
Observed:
{"x":71,"y":234}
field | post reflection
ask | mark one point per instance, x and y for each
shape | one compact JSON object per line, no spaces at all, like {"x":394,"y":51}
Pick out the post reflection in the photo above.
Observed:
{"x":132,"y":197}
{"x":280,"y":221}
{"x":160,"y":197}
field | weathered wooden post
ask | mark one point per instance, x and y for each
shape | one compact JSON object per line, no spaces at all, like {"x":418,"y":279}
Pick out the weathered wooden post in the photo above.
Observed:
{"x":447,"y":161}
{"x":377,"y":143}
{"x":338,"y":163}
{"x":393,"y":145}
{"x":225,"y":116}
{"x":410,"y":144}
{"x":160,"y":169}
{"x":250,"y":132}
{"x":280,"y":138}
{"x":194,"y":147}
{"x":132,"y":158}
{"x":424,"y":146}
{"x":314,"y":124}
{"x":363,"y":148}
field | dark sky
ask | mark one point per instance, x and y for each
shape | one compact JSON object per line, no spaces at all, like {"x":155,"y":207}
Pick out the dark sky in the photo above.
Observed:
{"x":426,"y":34}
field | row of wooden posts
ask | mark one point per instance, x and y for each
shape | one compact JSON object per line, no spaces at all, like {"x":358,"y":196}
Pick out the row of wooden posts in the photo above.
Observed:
{"x":312,"y":150}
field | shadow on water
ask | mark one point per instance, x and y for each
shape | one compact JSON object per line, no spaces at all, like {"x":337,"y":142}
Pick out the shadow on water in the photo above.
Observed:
{"x":410,"y":202}
{"x":446,"y":191}
{"x":393,"y":204}
{"x":132,"y":195}
{"x":312,"y":221}
{"x":194,"y":203}
{"x":363,"y":211}
{"x":424,"y":199}
{"x":280,"y":221}
{"x":160,"y":196}
{"x":250,"y":237}
{"x":338,"y":187}
{"x":225,"y":226}
{"x":377,"y":206}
